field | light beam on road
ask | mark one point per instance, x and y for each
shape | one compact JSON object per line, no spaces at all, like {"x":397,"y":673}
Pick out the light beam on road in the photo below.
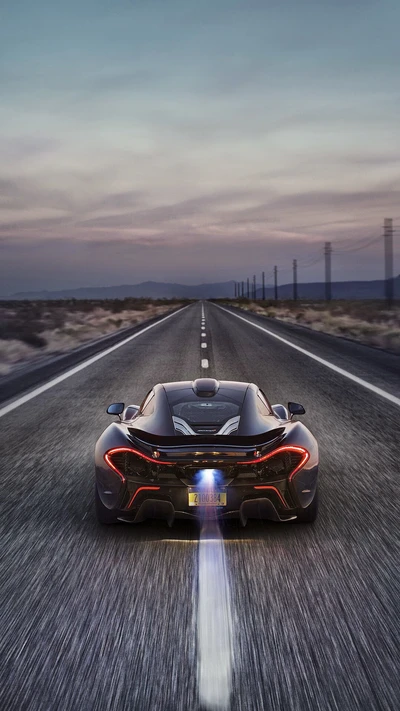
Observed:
{"x":214,"y":619}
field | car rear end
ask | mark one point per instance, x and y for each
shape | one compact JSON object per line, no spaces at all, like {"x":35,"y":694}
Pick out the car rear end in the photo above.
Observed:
{"x":266,"y":476}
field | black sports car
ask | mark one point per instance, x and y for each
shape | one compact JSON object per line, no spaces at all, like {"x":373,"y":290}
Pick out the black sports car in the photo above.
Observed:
{"x":206,"y":443}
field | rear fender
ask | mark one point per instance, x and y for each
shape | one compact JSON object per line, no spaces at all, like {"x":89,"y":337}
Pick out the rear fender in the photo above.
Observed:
{"x":111,"y":486}
{"x":303,"y":484}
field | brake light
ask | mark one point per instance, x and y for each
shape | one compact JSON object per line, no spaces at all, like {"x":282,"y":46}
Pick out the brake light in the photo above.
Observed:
{"x":129,"y":450}
{"x":281,"y":450}
{"x":275,"y":490}
{"x":112,"y":466}
{"x":141,"y":488}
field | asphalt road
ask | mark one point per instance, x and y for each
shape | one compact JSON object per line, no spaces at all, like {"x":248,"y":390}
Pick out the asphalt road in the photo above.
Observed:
{"x":104,"y":619}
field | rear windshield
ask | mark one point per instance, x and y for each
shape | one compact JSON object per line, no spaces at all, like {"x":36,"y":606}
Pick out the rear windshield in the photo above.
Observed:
{"x":199,"y":410}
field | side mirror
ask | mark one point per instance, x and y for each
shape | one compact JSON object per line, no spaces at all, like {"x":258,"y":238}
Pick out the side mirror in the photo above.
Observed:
{"x":295,"y":408}
{"x":116,"y":408}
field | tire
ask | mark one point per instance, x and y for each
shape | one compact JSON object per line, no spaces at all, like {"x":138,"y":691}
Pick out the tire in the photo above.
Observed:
{"x":309,"y":514}
{"x":104,"y":515}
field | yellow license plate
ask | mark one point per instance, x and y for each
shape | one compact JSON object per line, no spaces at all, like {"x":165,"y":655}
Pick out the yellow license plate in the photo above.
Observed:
{"x":207,"y":498}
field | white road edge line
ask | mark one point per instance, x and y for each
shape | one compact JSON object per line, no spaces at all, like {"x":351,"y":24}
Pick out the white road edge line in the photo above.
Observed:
{"x":326,"y":363}
{"x":204,"y":363}
{"x":59,"y":379}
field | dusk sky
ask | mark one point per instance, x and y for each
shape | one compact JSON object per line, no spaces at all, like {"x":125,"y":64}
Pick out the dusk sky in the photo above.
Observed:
{"x":195,"y":140}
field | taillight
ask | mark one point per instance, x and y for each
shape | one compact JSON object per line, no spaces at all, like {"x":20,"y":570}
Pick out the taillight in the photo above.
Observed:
{"x":141,"y":488}
{"x":126,"y":461}
{"x":275,"y":490}
{"x":285,"y":461}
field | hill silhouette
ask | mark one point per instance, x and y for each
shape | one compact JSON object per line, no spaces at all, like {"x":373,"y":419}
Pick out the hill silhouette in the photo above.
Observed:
{"x":159,"y":290}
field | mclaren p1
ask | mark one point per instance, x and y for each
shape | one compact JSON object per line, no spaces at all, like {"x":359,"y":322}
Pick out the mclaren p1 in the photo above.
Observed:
{"x":205,"y":444}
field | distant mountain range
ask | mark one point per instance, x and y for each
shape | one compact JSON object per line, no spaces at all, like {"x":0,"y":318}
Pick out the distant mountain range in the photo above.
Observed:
{"x":340,"y":290}
{"x":159,"y":290}
{"x":147,"y":289}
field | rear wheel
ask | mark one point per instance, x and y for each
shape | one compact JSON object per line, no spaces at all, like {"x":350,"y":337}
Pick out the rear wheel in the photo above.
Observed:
{"x":104,"y":515}
{"x":309,"y":514}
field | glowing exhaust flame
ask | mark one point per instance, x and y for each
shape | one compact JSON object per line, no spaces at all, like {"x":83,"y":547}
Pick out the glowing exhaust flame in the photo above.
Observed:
{"x":214,"y":620}
{"x":208,"y":477}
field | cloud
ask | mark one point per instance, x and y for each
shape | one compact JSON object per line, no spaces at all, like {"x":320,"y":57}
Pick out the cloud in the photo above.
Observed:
{"x":203,"y":205}
{"x":119,"y":201}
{"x":172,"y":137}
{"x":25,"y":147}
{"x":25,"y":194}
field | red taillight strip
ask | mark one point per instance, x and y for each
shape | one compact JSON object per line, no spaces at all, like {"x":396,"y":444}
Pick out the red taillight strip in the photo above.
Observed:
{"x":285,"y":448}
{"x":141,"y":488}
{"x":112,"y":466}
{"x":118,"y":450}
{"x":305,"y":459}
{"x":276,"y":492}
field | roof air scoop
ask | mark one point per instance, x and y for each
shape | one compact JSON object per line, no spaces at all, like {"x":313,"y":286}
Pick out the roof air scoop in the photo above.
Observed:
{"x":205,"y":387}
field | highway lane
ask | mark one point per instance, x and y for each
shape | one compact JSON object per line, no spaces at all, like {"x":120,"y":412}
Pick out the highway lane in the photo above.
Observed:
{"x":325,"y":607}
{"x":105,"y":619}
{"x":376,"y":366}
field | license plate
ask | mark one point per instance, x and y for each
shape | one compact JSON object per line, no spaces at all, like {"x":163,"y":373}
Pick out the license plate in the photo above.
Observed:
{"x":207,"y":498}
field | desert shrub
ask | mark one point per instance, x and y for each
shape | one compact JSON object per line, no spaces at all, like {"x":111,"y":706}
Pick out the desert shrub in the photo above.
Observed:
{"x":33,"y":339}
{"x":116,"y":306}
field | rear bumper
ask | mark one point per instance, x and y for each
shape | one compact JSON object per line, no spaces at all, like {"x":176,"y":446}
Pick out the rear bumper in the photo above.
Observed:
{"x":242,"y":505}
{"x":135,"y":501}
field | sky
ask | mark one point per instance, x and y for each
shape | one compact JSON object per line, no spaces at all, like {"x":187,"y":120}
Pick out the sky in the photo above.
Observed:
{"x":196,"y":141}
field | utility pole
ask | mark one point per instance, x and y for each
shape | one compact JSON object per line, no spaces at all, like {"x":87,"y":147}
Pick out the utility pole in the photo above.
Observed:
{"x":263,"y":286}
{"x":276,"y":283}
{"x":254,"y":287}
{"x":248,"y":288}
{"x":328,"y":271}
{"x":388,"y":237}
{"x":294,"y":279}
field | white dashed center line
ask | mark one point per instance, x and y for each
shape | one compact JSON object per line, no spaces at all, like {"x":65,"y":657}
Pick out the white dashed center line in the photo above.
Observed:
{"x":204,"y":361}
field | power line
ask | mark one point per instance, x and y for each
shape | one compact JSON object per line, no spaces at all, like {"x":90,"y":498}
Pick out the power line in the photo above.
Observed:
{"x":322,"y":253}
{"x":314,"y":261}
{"x":360,"y":247}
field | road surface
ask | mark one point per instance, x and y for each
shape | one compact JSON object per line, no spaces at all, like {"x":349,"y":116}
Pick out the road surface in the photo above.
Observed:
{"x":96,"y":619}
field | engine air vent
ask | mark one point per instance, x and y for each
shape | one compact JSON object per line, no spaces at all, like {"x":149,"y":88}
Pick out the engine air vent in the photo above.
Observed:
{"x":205,"y":387}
